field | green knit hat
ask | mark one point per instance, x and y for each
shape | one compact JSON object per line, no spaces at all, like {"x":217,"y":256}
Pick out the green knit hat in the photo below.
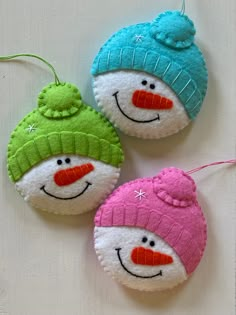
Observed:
{"x":62,"y":124}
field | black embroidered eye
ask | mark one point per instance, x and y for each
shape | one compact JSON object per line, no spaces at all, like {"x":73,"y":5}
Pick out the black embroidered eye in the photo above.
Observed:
{"x":144,"y":240}
{"x":59,"y":162}
{"x":67,"y":160}
{"x":144,"y":82}
{"x":152,"y":243}
{"x":152,"y":86}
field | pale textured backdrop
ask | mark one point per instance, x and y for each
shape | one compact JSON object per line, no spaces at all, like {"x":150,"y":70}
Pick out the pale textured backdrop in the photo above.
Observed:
{"x":47,"y":263}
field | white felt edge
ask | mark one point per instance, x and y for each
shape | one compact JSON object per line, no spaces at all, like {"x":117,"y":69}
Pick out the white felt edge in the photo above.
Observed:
{"x":108,"y":271}
{"x":66,"y":212}
{"x":128,"y":132}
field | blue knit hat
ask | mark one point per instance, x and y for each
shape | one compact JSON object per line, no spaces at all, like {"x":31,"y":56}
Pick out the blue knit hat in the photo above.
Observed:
{"x":164,"y":48}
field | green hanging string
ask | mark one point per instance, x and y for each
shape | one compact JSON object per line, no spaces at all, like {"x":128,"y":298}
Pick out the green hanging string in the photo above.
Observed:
{"x":9,"y":57}
{"x":183,"y":7}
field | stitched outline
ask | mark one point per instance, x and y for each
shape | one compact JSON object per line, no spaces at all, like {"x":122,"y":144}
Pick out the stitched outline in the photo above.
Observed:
{"x":145,"y":58}
{"x":167,"y":68}
{"x":187,"y":84}
{"x":81,"y":193}
{"x":191,"y":96}
{"x":192,"y":109}
{"x":137,"y":121}
{"x":121,"y":53}
{"x":108,"y":59}
{"x":133,"y":132}
{"x":133,"y":57}
{"x":157,"y":63}
{"x":176,"y":78}
{"x":131,"y":273}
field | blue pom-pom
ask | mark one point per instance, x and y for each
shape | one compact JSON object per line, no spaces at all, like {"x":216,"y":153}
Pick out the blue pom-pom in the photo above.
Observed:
{"x":173,"y":29}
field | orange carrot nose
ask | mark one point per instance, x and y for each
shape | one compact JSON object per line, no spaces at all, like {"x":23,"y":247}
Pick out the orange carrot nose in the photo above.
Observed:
{"x":147,"y":257}
{"x":148,"y":100}
{"x":71,"y":175}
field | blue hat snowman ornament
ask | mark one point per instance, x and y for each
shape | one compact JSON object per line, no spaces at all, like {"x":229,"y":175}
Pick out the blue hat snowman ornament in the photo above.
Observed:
{"x":150,"y":79}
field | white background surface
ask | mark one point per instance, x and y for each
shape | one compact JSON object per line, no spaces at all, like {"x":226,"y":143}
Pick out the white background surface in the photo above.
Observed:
{"x":47,"y":263}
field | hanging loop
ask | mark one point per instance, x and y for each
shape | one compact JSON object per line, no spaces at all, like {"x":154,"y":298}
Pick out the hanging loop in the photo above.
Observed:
{"x":9,"y":57}
{"x":211,"y":164}
{"x":183,"y":8}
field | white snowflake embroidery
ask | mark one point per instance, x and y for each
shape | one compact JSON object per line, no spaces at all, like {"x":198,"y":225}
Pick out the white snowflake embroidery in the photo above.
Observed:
{"x":31,"y":128}
{"x":139,"y":38}
{"x":140,"y":194}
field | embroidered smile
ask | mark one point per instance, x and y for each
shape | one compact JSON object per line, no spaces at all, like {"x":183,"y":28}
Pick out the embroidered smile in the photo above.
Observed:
{"x":146,"y":100}
{"x":68,"y":198}
{"x":159,"y":274}
{"x":130,"y":118}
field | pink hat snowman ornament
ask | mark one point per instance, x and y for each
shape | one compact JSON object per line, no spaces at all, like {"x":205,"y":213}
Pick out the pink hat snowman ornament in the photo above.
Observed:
{"x":151,"y":233}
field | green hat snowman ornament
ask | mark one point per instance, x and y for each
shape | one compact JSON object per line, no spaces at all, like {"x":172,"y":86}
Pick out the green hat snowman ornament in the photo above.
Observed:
{"x":64,"y":157}
{"x":150,"y":79}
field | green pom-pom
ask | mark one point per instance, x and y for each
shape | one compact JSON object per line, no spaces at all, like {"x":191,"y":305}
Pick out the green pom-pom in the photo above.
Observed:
{"x":59,"y":100}
{"x":173,"y":29}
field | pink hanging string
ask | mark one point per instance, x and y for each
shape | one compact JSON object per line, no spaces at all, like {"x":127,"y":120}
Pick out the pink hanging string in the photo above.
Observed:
{"x":195,"y":170}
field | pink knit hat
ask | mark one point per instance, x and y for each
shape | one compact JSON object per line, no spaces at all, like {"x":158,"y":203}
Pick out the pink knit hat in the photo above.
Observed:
{"x":165,"y":205}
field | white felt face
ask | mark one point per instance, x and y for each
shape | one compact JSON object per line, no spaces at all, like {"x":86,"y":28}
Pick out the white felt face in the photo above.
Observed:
{"x":68,"y":184}
{"x":138,"y":258}
{"x":140,"y":104}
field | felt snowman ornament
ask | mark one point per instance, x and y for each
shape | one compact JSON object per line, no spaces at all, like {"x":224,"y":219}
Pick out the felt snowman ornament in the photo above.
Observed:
{"x":150,"y":234}
{"x":64,"y":157}
{"x":150,"y":79}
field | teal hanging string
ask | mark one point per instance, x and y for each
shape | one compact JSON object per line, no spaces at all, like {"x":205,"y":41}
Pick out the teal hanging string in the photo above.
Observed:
{"x":183,"y":7}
